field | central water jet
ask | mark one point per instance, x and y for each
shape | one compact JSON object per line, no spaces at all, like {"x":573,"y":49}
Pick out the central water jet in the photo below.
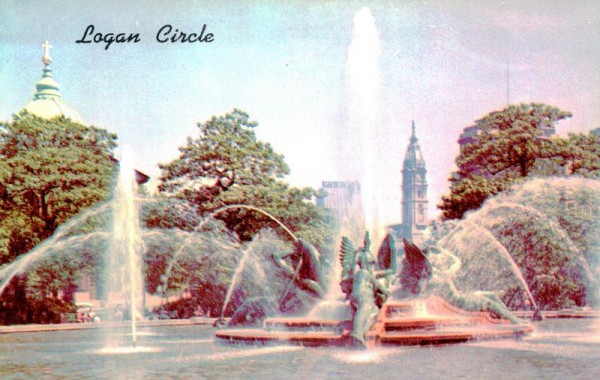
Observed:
{"x":355,"y":142}
{"x":124,"y":272}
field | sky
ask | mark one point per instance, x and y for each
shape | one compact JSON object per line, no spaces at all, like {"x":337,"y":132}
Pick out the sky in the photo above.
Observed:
{"x":443,"y":64}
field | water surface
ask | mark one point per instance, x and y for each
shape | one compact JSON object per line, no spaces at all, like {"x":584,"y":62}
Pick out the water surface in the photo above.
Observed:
{"x":560,"y":349}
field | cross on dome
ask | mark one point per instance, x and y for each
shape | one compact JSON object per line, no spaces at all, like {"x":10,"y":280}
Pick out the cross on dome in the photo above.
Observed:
{"x":47,"y":102}
{"x":46,"y":58}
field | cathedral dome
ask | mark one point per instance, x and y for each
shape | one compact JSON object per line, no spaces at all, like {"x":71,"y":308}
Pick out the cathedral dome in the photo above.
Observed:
{"x":47,"y":102}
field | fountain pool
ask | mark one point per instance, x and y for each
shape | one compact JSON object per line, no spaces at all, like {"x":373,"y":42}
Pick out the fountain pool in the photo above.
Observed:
{"x":558,"y":349}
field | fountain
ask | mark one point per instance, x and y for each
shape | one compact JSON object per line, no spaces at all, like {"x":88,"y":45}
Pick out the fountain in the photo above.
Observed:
{"x":124,"y":272}
{"x":237,"y":276}
{"x":495,"y":249}
{"x":356,"y":138}
{"x":378,"y":317}
{"x":108,"y":238}
{"x":467,"y":235}
{"x":170,"y":250}
{"x":346,"y":314}
{"x":541,"y":225}
{"x":60,"y":240}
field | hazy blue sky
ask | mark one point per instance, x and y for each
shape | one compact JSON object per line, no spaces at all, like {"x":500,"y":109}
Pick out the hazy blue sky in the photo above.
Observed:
{"x":443,"y":64}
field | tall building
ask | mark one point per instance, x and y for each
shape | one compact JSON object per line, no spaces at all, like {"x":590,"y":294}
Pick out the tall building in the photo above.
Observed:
{"x":344,"y":199}
{"x":414,"y":194}
{"x":339,"y":195}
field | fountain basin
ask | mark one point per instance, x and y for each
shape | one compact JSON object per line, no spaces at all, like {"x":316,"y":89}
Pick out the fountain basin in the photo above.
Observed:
{"x":562,"y":314}
{"x":397,"y":324}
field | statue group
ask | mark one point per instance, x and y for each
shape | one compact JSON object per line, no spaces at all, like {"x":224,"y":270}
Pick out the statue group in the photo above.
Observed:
{"x":368,"y":280}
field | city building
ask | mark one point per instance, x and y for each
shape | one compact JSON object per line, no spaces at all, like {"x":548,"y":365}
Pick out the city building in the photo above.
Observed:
{"x":344,"y":199}
{"x":339,"y":195}
{"x":414,"y":195}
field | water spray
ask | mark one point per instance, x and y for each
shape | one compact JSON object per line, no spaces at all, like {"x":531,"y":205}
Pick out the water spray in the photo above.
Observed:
{"x":229,"y":207}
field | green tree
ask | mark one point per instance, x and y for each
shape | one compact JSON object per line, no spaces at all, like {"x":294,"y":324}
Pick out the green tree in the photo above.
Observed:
{"x":579,"y":154}
{"x":512,"y":144}
{"x":228,"y":165}
{"x":227,"y":153}
{"x":50,"y":170}
{"x":469,"y":193}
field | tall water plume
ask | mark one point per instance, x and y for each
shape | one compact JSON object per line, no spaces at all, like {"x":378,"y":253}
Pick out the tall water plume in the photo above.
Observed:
{"x":355,"y":147}
{"x":124,"y":271}
{"x":355,"y":139}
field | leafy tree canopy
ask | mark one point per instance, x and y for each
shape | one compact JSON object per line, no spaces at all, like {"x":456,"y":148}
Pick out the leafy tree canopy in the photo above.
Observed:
{"x":49,"y":170}
{"x":227,"y":153}
{"x":513,"y":144}
{"x":579,"y":153}
{"x":228,"y":165}
{"x":511,"y":141}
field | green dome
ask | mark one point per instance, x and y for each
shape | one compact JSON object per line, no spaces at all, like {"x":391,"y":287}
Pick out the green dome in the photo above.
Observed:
{"x":47,"y":102}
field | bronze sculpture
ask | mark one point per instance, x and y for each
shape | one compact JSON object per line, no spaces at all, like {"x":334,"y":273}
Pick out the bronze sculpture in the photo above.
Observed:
{"x":416,"y":271}
{"x":366,"y":281}
{"x":304,"y":268}
{"x":435,"y":280}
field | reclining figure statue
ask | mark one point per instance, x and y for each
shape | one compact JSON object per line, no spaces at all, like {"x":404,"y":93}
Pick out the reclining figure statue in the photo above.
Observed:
{"x":303,"y":270}
{"x":303,"y":267}
{"x":422,"y":279}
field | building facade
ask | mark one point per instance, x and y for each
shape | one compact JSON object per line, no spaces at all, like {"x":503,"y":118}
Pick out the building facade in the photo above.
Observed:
{"x":414,"y":194}
{"x":339,"y":196}
{"x":344,"y":199}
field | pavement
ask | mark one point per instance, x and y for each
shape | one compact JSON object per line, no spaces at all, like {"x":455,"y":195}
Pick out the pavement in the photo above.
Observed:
{"x":563,"y":314}
{"x":83,"y":326}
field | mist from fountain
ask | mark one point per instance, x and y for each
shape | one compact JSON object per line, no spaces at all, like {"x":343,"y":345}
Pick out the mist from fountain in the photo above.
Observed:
{"x":356,"y":146}
{"x":474,"y":237}
{"x":248,"y":254}
{"x":354,"y":139}
{"x":124,"y":243}
{"x":61,"y":238}
{"x":549,"y":221}
{"x":244,"y":263}
{"x":363,"y":94}
{"x":542,"y":227}
{"x":83,"y":233}
{"x":181,"y":254}
{"x":169,"y":268}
